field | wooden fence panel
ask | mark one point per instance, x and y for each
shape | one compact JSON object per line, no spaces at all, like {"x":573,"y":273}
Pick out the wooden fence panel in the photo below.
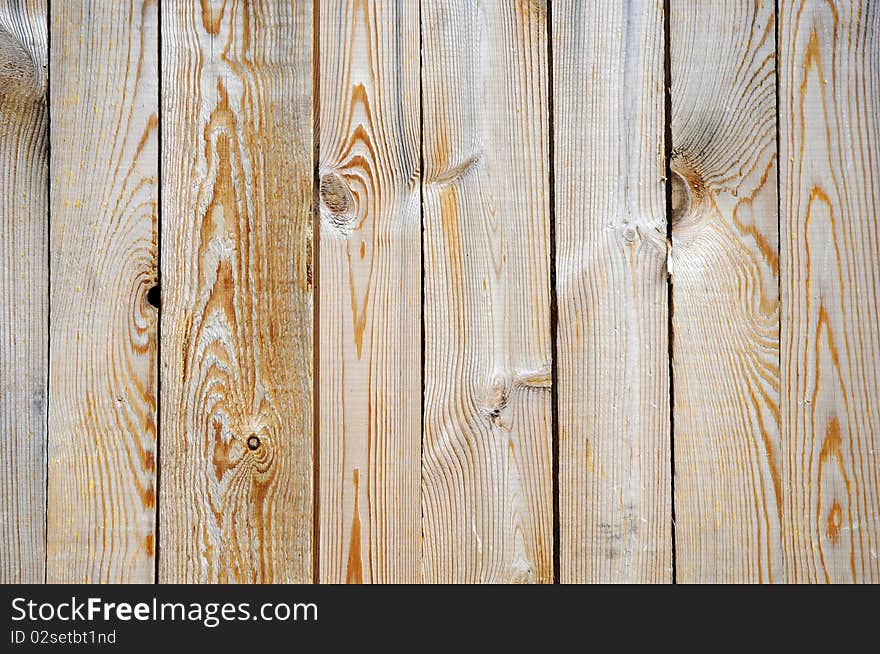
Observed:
{"x":829,"y":121}
{"x":370,"y":299}
{"x":24,"y":278}
{"x":236,"y":373}
{"x":598,"y":291}
{"x":487,"y":465}
{"x":724,"y":265}
{"x":614,"y":447}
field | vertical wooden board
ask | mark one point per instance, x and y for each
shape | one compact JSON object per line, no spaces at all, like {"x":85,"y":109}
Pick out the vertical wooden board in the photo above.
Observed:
{"x":613,"y":371}
{"x":370,"y":297}
{"x":724,"y":271}
{"x":103,"y":338}
{"x":23,"y":290}
{"x":236,"y":401}
{"x":829,"y":121}
{"x":487,"y":500}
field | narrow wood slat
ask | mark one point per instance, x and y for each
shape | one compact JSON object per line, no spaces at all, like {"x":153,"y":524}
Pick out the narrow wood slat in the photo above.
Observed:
{"x":614,"y":446}
{"x":103,"y":338}
{"x":829,"y":121}
{"x":24,"y":265}
{"x":370,"y":297}
{"x":487,"y":501}
{"x":236,"y":400}
{"x":724,"y":262}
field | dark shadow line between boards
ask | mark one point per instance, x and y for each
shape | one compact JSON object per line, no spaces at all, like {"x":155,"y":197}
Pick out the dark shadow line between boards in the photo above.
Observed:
{"x":48,"y":285}
{"x":315,"y":267}
{"x":554,"y":303}
{"x":670,"y":305}
{"x":158,"y":493}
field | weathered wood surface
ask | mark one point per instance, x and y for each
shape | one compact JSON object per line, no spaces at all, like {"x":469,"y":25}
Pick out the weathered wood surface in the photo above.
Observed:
{"x":24,"y":265}
{"x":829,"y":120}
{"x":104,"y":232}
{"x":370,"y":299}
{"x":614,"y":443}
{"x":236,"y":400}
{"x":724,"y":275}
{"x":486,"y":473}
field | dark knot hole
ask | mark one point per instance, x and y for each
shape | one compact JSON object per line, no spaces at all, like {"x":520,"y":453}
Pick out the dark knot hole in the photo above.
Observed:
{"x":253,"y":443}
{"x":154,"y":296}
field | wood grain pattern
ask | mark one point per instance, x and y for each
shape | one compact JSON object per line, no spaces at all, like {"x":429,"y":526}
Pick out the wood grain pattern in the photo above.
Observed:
{"x":24,"y":266}
{"x":724,"y":262}
{"x":614,"y":446}
{"x":487,"y":487}
{"x":103,"y":366}
{"x":370,"y":298}
{"x":829,"y":119}
{"x":236,"y":407}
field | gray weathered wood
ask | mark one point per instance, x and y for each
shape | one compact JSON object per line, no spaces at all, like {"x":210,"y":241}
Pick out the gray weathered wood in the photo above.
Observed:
{"x":24,"y":265}
{"x":486,"y":469}
{"x":614,"y":446}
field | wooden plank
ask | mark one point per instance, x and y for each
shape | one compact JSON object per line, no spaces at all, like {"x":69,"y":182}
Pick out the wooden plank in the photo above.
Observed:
{"x":103,"y":338}
{"x":724,"y":264}
{"x":236,"y":400}
{"x":24,"y":267}
{"x":370,"y":297}
{"x":829,"y":120}
{"x":613,"y":371}
{"x":487,"y":483}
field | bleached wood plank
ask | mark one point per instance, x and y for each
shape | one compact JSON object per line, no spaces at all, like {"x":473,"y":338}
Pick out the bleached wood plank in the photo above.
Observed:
{"x":103,"y":365}
{"x":829,"y":120}
{"x":487,"y":484}
{"x":614,"y":447}
{"x":236,"y":400}
{"x":24,"y":279}
{"x":724,"y":262}
{"x":370,"y":297}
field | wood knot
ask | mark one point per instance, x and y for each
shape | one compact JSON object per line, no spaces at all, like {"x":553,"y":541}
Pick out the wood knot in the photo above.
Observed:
{"x":154,"y":296}
{"x":18,"y":70}
{"x":538,"y":378}
{"x":497,"y":396}
{"x":681,"y":198}
{"x":835,"y":521}
{"x":688,"y":189}
{"x":335,"y":194}
{"x":253,"y":442}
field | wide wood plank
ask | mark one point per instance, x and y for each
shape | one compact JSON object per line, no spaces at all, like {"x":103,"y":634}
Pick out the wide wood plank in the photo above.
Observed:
{"x":487,"y":484}
{"x":613,"y":372}
{"x":24,"y":266}
{"x":370,"y":292}
{"x":236,"y":400}
{"x":829,"y":121}
{"x":724,"y":272}
{"x":104,"y":233}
